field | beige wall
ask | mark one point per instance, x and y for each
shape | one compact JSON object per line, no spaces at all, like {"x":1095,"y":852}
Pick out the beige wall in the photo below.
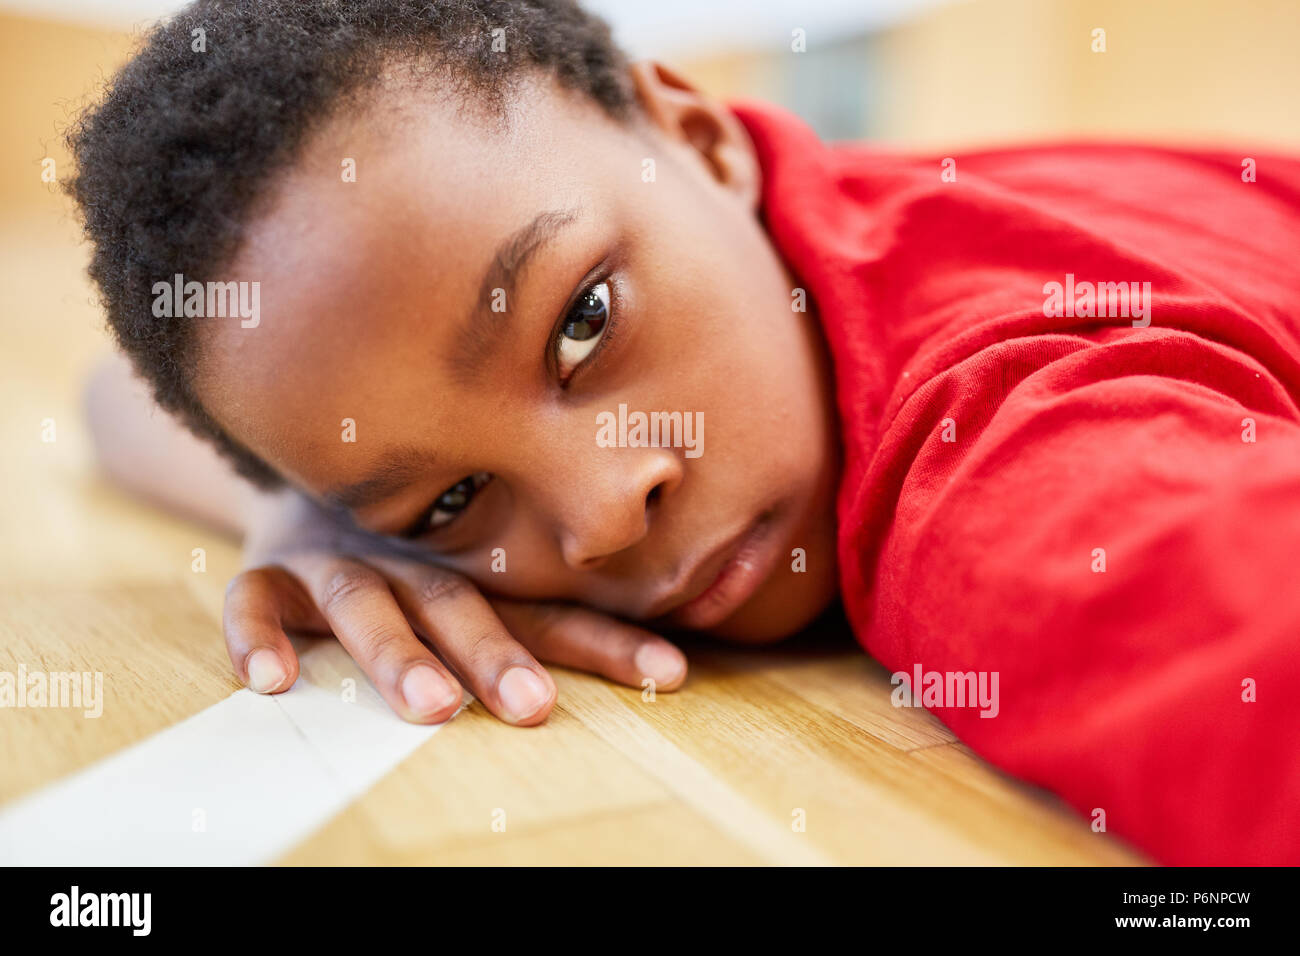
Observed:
{"x":46,"y":72}
{"x":995,"y":70}
{"x":1003,"y":69}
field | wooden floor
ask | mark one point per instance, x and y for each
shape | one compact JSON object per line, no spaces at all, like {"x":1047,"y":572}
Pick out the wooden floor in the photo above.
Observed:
{"x":713,"y":774}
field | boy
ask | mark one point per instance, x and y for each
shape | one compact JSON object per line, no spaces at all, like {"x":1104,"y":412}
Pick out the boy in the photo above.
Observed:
{"x":1032,"y":412}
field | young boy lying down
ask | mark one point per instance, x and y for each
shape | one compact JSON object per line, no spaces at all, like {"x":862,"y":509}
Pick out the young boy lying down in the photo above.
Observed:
{"x":1032,"y":414}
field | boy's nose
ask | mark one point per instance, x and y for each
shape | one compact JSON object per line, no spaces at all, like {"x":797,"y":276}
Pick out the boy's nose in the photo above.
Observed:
{"x":614,"y":507}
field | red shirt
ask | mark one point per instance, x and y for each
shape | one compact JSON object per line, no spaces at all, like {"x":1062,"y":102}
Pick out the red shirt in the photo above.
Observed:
{"x":1098,"y":503}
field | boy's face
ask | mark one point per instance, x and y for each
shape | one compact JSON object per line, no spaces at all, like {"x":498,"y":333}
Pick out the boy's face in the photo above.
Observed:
{"x":482,"y":300}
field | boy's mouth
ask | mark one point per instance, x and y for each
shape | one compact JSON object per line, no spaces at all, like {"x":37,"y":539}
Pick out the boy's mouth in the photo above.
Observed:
{"x":723,"y":580}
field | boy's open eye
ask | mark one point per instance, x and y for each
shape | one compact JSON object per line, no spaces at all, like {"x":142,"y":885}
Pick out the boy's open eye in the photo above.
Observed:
{"x":582,"y":329}
{"x":453,"y":501}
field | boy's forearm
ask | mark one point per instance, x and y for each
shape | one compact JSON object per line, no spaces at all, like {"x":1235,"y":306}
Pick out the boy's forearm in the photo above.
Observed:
{"x":146,"y":451}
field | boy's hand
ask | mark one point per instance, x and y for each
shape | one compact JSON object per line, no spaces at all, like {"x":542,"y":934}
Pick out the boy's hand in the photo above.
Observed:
{"x":308,"y":572}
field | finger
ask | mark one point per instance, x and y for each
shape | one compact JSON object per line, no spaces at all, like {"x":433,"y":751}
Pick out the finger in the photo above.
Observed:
{"x":356,"y":602}
{"x":258,"y":605}
{"x":588,"y":640}
{"x":468,"y":634}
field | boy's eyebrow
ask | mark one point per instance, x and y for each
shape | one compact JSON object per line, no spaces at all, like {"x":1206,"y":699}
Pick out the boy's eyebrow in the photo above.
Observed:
{"x":407,"y":464}
{"x":502,"y":273}
{"x":393,"y":474}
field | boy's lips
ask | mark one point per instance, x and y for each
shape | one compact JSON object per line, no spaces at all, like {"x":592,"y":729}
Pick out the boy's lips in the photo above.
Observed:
{"x":723,"y":580}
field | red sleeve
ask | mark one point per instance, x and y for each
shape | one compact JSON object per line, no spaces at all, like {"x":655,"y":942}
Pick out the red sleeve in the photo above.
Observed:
{"x":1164,"y":689}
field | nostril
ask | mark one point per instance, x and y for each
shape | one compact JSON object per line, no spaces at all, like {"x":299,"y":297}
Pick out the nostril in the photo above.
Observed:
{"x":653,"y":496}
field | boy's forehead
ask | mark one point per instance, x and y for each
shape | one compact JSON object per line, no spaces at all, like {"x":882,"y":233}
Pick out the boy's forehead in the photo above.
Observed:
{"x":424,"y":164}
{"x":366,"y":198}
{"x":528,"y":123}
{"x":363,"y":243}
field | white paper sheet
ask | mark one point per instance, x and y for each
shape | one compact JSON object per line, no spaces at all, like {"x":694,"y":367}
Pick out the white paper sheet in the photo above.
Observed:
{"x":239,"y":783}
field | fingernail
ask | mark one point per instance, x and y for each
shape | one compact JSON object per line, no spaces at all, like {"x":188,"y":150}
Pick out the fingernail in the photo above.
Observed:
{"x":426,"y":691}
{"x":265,"y":670}
{"x":660,"y":663}
{"x":522,"y":694}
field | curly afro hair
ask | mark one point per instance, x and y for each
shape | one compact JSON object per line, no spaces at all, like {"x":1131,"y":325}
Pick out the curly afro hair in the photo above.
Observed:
{"x":172,"y":160}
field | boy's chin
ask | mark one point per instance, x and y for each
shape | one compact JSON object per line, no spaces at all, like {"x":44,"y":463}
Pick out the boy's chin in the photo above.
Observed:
{"x":775,"y":615}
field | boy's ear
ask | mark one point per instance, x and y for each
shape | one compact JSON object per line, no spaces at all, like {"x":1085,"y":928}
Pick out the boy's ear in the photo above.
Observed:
{"x":686,"y":115}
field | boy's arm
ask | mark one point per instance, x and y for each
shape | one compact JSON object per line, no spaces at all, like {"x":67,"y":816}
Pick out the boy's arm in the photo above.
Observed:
{"x":1111,"y":532}
{"x":310,"y":571}
{"x":146,"y":451}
